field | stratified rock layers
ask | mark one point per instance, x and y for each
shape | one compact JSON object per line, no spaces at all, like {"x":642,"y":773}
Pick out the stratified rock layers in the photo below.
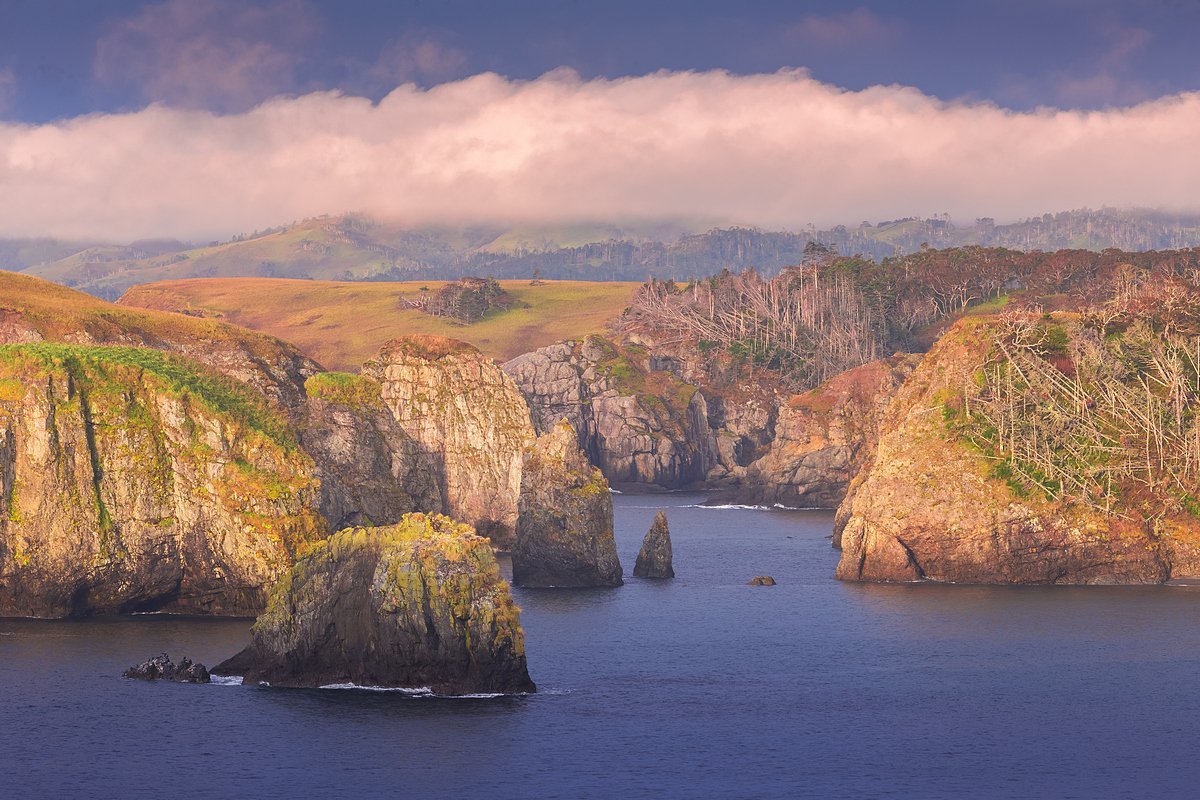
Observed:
{"x":468,"y":418}
{"x":565,"y":531}
{"x":415,"y":605}
{"x":132,"y":480}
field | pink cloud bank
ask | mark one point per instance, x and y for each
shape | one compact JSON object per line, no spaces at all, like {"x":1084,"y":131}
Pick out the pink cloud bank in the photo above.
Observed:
{"x":776,"y":150}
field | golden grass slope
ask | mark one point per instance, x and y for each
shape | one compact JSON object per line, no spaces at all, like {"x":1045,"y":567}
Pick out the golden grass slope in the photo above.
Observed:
{"x":342,"y":324}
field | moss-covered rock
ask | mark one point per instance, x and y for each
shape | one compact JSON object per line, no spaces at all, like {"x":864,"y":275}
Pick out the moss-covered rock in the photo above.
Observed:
{"x":414,"y":605}
{"x":565,"y":529}
{"x":135,"y":480}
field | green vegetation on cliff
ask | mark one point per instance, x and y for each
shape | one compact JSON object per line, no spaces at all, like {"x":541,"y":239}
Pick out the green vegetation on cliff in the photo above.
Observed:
{"x":104,"y":367}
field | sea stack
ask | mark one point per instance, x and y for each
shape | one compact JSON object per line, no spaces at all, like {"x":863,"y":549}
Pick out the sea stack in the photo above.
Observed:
{"x":467,"y":417}
{"x":565,"y":524}
{"x":420,"y":604}
{"x":654,"y":559}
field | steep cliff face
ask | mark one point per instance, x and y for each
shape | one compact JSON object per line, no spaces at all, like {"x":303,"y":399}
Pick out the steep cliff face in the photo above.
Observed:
{"x":133,"y":480}
{"x":639,"y":425}
{"x":33,"y":310}
{"x":565,"y":530}
{"x":824,"y":436}
{"x":420,"y":604}
{"x":371,"y":471}
{"x":469,"y":420}
{"x":952,"y":495}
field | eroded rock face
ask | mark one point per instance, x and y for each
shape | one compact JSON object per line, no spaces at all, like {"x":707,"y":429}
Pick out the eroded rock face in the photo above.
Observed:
{"x":130,"y":481}
{"x":469,"y":420}
{"x":640,"y":426}
{"x":565,"y":529}
{"x":371,"y":471}
{"x":414,"y":605}
{"x":654,"y":559}
{"x":929,"y":506}
{"x":824,"y":437}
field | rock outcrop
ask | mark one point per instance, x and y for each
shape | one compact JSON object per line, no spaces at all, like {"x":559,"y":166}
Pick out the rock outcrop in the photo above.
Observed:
{"x":133,"y":480}
{"x":639,"y":425}
{"x":371,"y":471}
{"x":469,"y":420}
{"x":944,"y":500}
{"x":645,"y":416}
{"x":654,"y":559}
{"x":565,"y":528}
{"x":162,"y":668}
{"x":823,"y":437}
{"x":416,"y":605}
{"x":761,"y":580}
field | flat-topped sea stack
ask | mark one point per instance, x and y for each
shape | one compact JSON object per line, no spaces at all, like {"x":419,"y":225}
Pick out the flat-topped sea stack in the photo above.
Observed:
{"x":1035,"y":449}
{"x":565,"y":529}
{"x":654,"y":559}
{"x":468,"y":418}
{"x":418,"y":605}
{"x":134,"y":480}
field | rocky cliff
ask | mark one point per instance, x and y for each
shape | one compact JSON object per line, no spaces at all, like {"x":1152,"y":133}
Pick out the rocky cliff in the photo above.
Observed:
{"x":469,"y":420}
{"x":420,"y":604}
{"x":134,"y":480}
{"x":1024,"y":452}
{"x":565,"y":529}
{"x":647,"y":414}
{"x":371,"y":471}
{"x":823,"y":437}
{"x":639,"y":425}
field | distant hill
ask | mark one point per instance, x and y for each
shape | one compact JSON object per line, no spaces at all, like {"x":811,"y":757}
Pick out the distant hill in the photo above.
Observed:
{"x":342,"y":324}
{"x":356,"y":248}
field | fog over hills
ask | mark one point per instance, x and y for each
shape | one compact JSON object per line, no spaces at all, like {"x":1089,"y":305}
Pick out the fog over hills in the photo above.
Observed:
{"x":357,"y":247}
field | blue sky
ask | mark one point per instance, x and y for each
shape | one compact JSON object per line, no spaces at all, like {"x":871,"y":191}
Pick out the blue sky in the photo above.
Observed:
{"x":202,"y":118}
{"x":62,"y":58}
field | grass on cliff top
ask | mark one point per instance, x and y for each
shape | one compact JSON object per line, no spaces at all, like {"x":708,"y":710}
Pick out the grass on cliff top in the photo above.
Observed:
{"x":57,"y":312}
{"x":342,"y":324}
{"x":104,"y":367}
{"x":344,"y":388}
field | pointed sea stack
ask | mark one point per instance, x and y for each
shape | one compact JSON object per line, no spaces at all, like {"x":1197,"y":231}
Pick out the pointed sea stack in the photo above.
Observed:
{"x":420,"y":604}
{"x":654,"y":559}
{"x":565,"y":524}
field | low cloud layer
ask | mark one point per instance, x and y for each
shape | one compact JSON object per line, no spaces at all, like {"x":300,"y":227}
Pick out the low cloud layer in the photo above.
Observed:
{"x":777,"y":150}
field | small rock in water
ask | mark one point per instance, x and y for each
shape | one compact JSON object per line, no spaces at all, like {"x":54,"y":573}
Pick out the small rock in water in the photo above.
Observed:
{"x":162,"y":668}
{"x":654,"y":560}
{"x":761,"y":580}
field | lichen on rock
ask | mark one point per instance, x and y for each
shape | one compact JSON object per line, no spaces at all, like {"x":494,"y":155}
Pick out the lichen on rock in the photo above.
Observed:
{"x":565,"y":528}
{"x":420,"y":604}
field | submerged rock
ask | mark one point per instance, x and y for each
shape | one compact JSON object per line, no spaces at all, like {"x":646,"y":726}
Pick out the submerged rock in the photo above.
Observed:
{"x":565,"y":528}
{"x":162,"y":668}
{"x":413,"y":605}
{"x":654,"y":559}
{"x":469,"y":420}
{"x":761,"y":580}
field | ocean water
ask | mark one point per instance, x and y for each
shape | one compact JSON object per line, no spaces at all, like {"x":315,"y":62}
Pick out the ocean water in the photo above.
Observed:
{"x":701,"y":687}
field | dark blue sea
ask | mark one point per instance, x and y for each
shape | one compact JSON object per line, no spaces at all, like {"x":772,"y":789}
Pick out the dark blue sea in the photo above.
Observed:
{"x":701,"y":687}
